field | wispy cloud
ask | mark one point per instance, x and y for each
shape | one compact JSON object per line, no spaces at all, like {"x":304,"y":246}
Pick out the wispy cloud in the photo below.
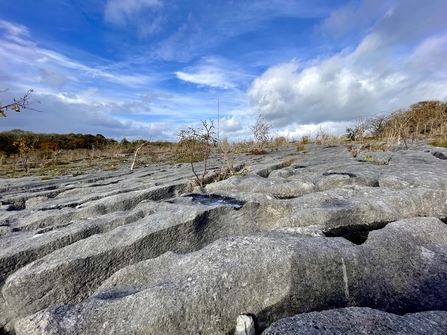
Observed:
{"x":354,"y":16}
{"x":120,"y":12}
{"x":14,"y":32}
{"x":20,"y":54}
{"x":214,"y":72}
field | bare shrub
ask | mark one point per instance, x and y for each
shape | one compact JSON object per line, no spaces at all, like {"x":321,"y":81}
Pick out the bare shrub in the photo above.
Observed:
{"x":377,"y":126}
{"x":195,"y":144}
{"x":398,"y":127}
{"x":357,"y":133}
{"x":228,"y":151}
{"x":322,"y":135}
{"x":261,"y":132}
{"x":281,"y":141}
{"x":305,"y":139}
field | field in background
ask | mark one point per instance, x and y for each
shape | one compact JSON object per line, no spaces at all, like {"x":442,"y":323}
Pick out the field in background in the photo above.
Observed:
{"x":28,"y":154}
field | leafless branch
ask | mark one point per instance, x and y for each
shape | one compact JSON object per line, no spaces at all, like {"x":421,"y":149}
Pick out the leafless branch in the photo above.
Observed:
{"x":22,"y":103}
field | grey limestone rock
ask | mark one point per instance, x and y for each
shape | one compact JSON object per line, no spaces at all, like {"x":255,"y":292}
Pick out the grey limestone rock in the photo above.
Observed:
{"x":125,"y":252}
{"x":269,"y":275}
{"x":72,"y":273}
{"x":357,"y":320}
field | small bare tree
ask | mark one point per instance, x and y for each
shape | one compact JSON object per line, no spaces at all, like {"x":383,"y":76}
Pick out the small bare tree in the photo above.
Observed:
{"x":377,"y":125}
{"x":143,"y":144}
{"x":261,"y":132}
{"x":195,"y":144}
{"x":22,"y":103}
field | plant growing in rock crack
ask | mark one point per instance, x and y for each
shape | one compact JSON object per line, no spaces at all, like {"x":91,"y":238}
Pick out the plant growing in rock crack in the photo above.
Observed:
{"x":195,"y":145}
{"x":261,"y":132}
{"x":228,"y":151}
{"x":377,"y":161}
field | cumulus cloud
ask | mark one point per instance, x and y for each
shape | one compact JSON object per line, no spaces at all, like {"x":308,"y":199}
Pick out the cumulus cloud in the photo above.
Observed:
{"x":380,"y":74}
{"x":230,"y":123}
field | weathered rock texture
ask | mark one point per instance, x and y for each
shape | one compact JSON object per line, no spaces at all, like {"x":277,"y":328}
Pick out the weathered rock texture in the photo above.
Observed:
{"x":269,"y":275}
{"x":134,"y":253}
{"x":356,"y":320}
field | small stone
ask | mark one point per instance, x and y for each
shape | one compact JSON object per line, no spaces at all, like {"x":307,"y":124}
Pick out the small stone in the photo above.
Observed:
{"x":245,"y":325}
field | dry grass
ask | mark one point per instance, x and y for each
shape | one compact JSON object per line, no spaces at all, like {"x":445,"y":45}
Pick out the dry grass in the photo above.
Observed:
{"x":81,"y":161}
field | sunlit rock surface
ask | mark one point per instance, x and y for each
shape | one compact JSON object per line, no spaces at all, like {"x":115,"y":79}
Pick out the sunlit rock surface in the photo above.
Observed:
{"x":138,"y":252}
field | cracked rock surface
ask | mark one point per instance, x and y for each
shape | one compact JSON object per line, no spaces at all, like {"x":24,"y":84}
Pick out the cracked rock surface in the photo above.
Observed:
{"x":142,"y":253}
{"x":356,"y":320}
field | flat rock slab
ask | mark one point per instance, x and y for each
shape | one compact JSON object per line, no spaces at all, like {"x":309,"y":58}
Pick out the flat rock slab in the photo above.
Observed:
{"x":356,"y":320}
{"x":400,"y":268}
{"x":72,"y":273}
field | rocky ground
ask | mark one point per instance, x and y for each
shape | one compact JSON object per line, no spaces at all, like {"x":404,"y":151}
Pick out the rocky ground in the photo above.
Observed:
{"x":311,"y":242}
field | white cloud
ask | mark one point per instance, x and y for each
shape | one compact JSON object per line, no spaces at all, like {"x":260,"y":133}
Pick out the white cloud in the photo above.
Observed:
{"x":213,"y":72}
{"x":83,"y":113}
{"x":230,"y":124}
{"x":355,"y":15}
{"x":398,"y":21}
{"x":20,"y":55}
{"x":205,"y":76}
{"x":120,"y":12}
{"x":368,"y":80}
{"x":14,"y":32}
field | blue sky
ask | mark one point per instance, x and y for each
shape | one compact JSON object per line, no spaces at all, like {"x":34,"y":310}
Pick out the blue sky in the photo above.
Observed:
{"x":149,"y":68}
